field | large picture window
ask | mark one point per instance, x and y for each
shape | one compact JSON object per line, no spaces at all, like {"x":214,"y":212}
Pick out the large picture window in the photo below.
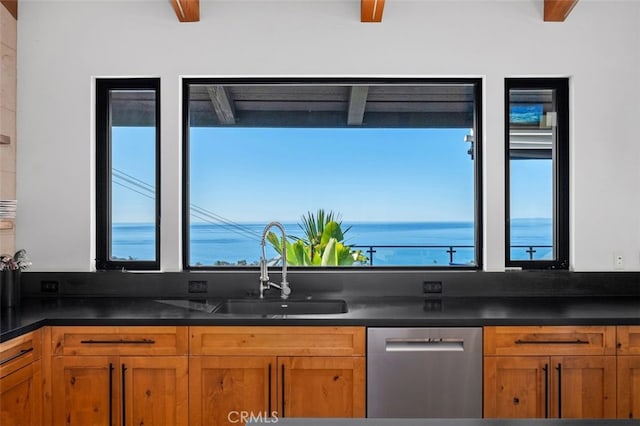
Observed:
{"x":537,"y":167}
{"x":394,"y":163}
{"x":128,"y":175}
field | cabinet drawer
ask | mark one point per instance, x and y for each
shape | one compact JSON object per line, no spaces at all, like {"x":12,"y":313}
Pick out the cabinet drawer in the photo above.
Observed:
{"x":18,"y":352}
{"x":277,"y":340}
{"x":119,"y":340}
{"x":628,"y":340}
{"x":550,"y":340}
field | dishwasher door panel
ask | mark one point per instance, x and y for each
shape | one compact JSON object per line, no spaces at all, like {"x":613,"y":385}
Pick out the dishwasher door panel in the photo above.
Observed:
{"x":424,"y":372}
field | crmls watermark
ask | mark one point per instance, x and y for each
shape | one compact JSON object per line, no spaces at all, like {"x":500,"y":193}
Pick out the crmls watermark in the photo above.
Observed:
{"x":245,"y":416}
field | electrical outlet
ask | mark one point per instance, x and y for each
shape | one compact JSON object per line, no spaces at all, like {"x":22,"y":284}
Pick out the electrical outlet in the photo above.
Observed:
{"x":49,"y":286}
{"x":197,"y":286}
{"x":432,"y":286}
{"x":618,"y":261}
{"x":433,"y":305}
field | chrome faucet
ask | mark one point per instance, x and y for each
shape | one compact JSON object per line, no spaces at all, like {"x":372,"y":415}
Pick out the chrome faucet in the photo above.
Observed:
{"x":265,"y":284}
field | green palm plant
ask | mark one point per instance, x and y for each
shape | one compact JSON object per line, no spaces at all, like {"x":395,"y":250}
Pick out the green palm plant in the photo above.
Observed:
{"x":323,"y":245}
{"x":314,"y":225}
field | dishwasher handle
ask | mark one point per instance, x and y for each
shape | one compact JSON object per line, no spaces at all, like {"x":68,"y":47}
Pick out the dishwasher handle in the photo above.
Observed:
{"x":424,"y":345}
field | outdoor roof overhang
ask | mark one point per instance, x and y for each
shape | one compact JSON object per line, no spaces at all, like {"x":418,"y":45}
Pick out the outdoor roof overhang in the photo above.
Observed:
{"x":279,"y":104}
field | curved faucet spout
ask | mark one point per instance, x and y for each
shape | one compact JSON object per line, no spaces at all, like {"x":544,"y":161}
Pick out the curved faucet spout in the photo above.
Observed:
{"x":285,"y":290}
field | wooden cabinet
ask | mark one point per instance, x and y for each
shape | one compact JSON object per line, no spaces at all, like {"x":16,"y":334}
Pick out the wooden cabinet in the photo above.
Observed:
{"x":275,"y":372}
{"x":516,"y":387}
{"x":557,"y":372}
{"x":583,"y":387}
{"x":322,"y":386}
{"x":628,"y":372}
{"x":550,"y":340}
{"x":119,"y":375}
{"x":83,"y":390}
{"x":21,"y":380}
{"x":143,"y":375}
{"x":222,"y":387}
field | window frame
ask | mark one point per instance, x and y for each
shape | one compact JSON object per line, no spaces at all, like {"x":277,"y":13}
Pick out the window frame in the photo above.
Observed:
{"x":478,"y":165}
{"x":103,"y":172}
{"x":561,"y":170}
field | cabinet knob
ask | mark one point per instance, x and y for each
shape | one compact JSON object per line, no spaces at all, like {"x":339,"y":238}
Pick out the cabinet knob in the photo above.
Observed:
{"x":516,"y":400}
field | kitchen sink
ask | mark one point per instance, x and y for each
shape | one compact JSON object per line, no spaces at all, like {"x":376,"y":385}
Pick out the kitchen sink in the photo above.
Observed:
{"x":282,"y":307}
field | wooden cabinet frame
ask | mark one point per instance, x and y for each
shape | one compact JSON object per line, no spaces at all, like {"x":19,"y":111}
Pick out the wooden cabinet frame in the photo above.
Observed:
{"x":21,"y":380}
{"x":275,"y":371}
{"x":603,"y":351}
{"x":549,"y":371}
{"x":118,"y":375}
{"x":628,"y":372}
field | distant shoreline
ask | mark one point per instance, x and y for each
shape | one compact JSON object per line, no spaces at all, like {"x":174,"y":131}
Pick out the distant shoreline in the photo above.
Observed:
{"x":390,"y":244}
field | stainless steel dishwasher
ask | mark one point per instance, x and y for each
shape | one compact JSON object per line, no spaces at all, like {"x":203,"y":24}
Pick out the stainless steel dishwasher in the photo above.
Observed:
{"x":424,"y":372}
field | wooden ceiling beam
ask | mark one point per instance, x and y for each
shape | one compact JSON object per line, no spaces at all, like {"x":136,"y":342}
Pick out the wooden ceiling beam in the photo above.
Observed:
{"x":371,"y":10}
{"x":187,"y":10}
{"x":357,"y":103}
{"x":558,"y":10}
{"x":222,"y":104}
{"x":12,"y":7}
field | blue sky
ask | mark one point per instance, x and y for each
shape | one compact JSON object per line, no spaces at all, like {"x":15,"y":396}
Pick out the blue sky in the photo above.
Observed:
{"x":250,"y":175}
{"x":531,"y":186}
{"x":379,"y":175}
{"x":133,"y":152}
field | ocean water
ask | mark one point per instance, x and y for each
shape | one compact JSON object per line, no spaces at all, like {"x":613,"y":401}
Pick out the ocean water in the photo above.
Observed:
{"x":133,"y":241}
{"x":221,"y":244}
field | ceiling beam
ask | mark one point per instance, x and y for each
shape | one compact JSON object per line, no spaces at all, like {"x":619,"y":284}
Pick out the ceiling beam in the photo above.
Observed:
{"x":222,"y":104}
{"x":557,"y":10}
{"x":357,"y":103}
{"x":12,"y":7}
{"x":371,"y":10}
{"x":187,"y":10}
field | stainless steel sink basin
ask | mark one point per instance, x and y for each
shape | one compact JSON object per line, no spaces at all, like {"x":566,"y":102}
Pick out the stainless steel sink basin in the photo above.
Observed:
{"x":282,"y":307}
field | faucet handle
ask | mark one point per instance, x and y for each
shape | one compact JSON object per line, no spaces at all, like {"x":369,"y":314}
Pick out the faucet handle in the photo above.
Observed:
{"x":285,"y":290}
{"x":264,"y":274}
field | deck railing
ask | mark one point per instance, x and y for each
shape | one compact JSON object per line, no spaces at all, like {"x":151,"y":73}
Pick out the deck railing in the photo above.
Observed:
{"x":530,"y":250}
{"x":449,"y":250}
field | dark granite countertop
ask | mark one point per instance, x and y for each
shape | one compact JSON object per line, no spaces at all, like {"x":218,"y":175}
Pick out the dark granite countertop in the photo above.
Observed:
{"x":366,"y":311}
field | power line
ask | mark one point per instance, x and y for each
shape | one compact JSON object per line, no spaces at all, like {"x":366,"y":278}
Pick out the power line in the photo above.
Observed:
{"x":134,"y":190}
{"x":141,"y":182}
{"x":146,"y":190}
{"x":217,"y":218}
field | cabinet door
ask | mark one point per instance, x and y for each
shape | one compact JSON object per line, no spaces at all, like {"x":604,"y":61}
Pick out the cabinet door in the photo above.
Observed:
{"x":549,"y":340}
{"x":123,"y":341}
{"x":154,"y":390}
{"x":20,"y":402}
{"x":223,"y":389}
{"x":583,"y":387}
{"x":516,"y":387}
{"x":321,"y":386}
{"x":20,"y":351}
{"x":83,"y":388}
{"x":628,"y":339}
{"x":629,"y":387}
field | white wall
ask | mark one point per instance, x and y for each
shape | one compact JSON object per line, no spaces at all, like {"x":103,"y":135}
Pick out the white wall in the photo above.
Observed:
{"x":63,"y":45}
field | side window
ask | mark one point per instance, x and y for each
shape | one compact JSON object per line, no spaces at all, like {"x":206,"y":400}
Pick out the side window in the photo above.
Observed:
{"x":128,"y":174}
{"x":537,"y":173}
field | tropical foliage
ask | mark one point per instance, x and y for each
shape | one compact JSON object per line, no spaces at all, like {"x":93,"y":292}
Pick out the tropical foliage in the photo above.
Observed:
{"x":323,"y":244}
{"x":18,"y":261}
